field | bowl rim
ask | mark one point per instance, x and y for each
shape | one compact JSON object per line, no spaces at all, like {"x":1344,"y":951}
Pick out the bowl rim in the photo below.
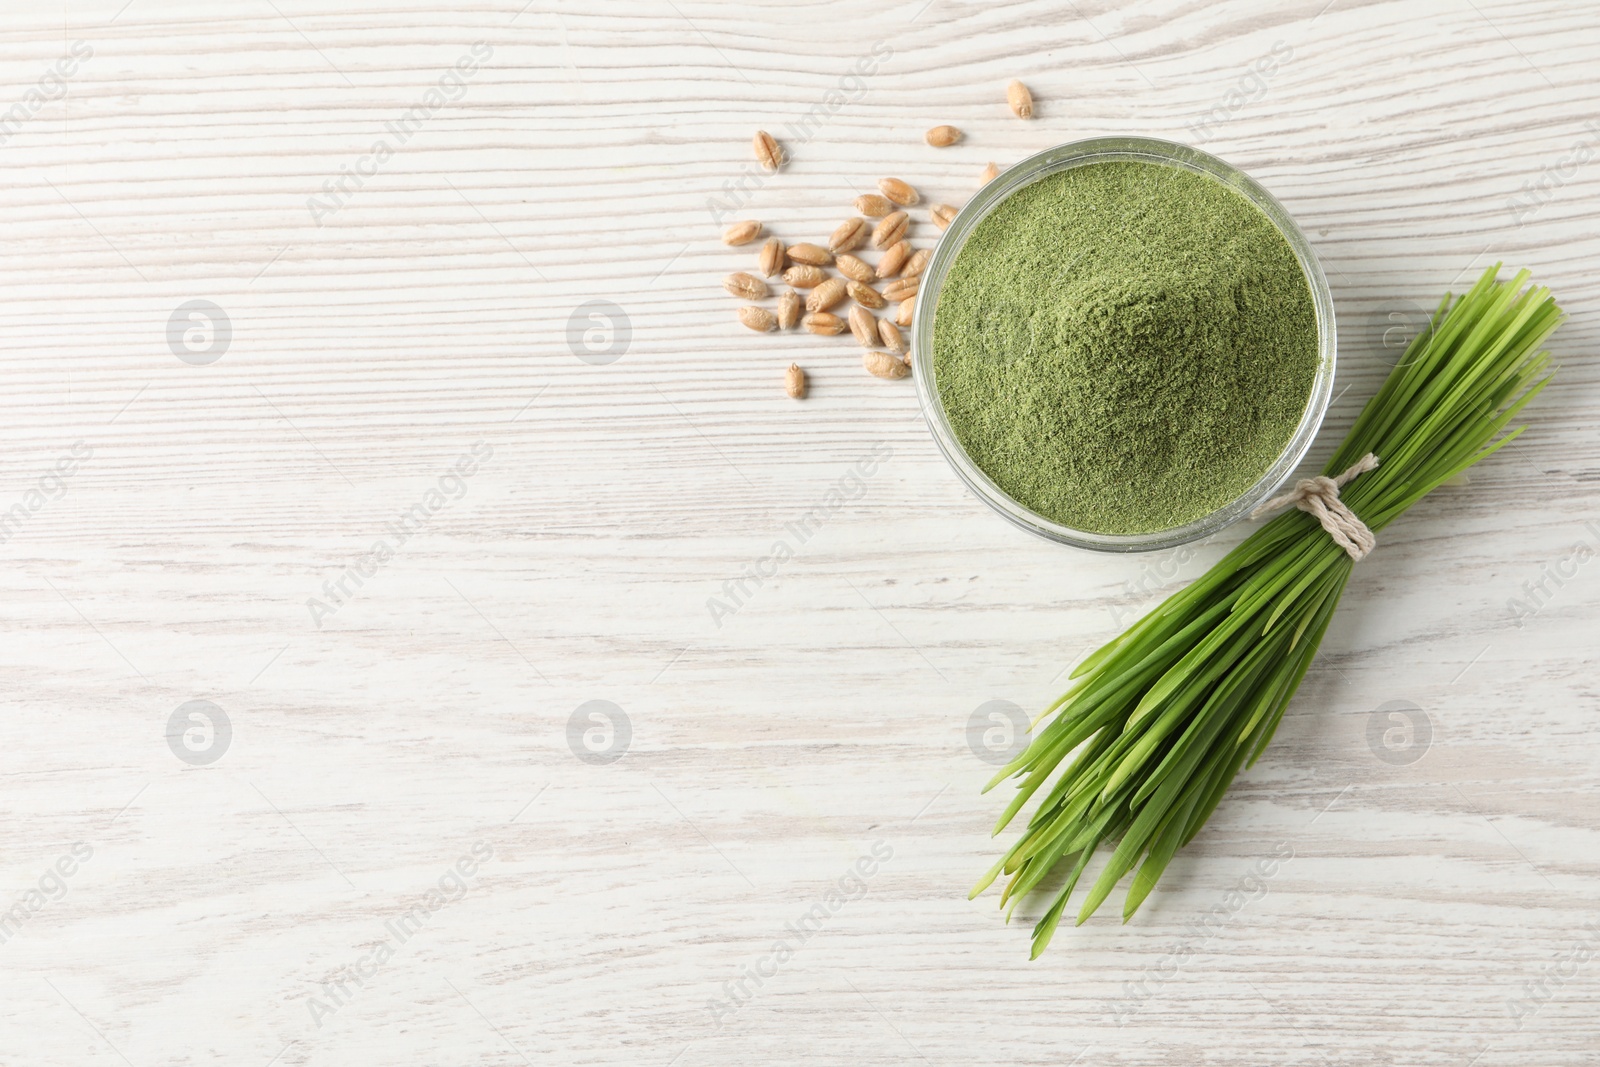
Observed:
{"x":1098,"y":150}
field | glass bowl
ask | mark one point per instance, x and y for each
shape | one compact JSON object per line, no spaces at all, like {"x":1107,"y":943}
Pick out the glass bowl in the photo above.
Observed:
{"x":1076,"y":154}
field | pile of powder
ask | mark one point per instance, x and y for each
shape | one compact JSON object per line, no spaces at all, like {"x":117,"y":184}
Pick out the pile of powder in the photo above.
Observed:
{"x":1125,"y":347}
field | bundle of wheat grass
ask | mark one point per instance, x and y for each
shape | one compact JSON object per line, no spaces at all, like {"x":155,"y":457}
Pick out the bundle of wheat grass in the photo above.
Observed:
{"x":1157,"y":723}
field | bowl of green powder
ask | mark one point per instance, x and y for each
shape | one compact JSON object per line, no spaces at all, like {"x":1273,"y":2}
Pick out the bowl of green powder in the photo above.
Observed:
{"x":1124,"y":344}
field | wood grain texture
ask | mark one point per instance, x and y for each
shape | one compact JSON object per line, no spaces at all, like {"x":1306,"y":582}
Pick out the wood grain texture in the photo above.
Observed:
{"x":1435,"y":912}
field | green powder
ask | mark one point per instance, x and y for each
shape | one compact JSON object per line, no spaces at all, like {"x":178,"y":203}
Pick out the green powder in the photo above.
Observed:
{"x":1125,"y":347}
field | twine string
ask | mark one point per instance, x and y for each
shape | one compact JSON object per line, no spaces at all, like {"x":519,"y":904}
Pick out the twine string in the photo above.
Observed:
{"x":1319,"y":498}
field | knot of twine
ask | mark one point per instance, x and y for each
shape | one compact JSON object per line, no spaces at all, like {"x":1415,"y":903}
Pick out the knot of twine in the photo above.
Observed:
{"x":1319,"y":497}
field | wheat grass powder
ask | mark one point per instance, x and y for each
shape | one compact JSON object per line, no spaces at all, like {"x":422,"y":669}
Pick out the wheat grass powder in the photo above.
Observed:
{"x":1125,"y":347}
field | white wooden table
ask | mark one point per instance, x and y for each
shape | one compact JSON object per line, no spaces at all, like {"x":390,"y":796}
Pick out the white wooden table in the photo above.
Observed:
{"x":386,"y":345}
